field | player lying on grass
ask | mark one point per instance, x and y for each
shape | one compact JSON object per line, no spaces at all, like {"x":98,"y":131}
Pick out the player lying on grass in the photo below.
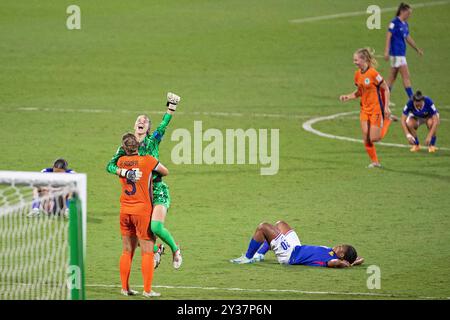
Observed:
{"x":135,"y":212}
{"x":287,"y":248}
{"x":419,"y":110}
{"x":375,"y":115}
{"x":149,"y":145}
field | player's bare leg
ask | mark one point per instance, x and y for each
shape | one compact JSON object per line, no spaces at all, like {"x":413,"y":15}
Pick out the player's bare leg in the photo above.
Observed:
{"x":412,"y":125}
{"x":390,"y":81}
{"x":404,"y":71}
{"x":129,"y":244}
{"x":157,"y":225}
{"x":283,"y":227}
{"x":265,"y":233}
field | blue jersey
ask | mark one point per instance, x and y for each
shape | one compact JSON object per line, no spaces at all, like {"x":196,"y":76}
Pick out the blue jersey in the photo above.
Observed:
{"x":317,"y":256}
{"x":48,"y":170}
{"x":399,"y":30}
{"x":428,"y":109}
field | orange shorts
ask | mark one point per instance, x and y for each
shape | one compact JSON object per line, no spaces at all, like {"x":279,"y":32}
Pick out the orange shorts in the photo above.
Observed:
{"x":135,"y":225}
{"x":375,"y":119}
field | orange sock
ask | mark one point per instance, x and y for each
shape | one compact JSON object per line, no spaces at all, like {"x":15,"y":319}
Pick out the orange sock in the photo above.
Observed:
{"x":386,"y":124}
{"x":125,"y":268}
{"x":370,"y":148}
{"x":147,"y":270}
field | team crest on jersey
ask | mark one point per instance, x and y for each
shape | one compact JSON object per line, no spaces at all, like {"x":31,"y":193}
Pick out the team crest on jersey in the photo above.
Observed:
{"x":367,"y":81}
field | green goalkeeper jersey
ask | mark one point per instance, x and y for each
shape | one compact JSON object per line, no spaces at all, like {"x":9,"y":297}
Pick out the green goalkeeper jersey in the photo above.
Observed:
{"x":149,"y":146}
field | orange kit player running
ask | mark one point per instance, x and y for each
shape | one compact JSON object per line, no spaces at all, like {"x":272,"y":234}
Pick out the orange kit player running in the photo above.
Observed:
{"x":135,"y":212}
{"x":374,"y":93}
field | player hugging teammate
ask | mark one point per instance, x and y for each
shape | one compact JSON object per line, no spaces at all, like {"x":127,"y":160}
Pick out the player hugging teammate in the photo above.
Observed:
{"x":149,"y":145}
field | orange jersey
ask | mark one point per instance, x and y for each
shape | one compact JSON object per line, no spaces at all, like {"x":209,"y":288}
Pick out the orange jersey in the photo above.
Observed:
{"x":368,"y":84}
{"x":136,"y":198}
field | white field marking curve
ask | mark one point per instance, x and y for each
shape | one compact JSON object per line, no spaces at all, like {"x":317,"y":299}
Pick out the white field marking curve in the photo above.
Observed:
{"x":368,"y":294}
{"x":361,"y":13}
{"x":308,"y":127}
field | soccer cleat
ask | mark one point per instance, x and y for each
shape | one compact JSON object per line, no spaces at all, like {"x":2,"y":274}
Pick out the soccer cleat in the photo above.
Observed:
{"x":177,"y":259}
{"x":151,"y":294}
{"x":415,"y":148}
{"x":258,"y":257}
{"x":161,"y":249}
{"x":374,"y":165}
{"x":156,"y":260}
{"x":128,"y":292}
{"x":35,"y":212}
{"x":242,"y":260}
{"x":432,"y":149}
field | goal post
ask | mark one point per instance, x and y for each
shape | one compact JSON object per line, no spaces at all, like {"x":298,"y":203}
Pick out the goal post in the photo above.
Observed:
{"x":42,"y":235}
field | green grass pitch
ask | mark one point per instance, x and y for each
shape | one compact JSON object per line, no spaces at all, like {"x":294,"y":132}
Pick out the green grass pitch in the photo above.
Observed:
{"x":74,"y":93}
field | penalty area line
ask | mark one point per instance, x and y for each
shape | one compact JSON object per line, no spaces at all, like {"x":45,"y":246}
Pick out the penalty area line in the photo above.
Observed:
{"x":368,"y":294}
{"x":308,"y":127}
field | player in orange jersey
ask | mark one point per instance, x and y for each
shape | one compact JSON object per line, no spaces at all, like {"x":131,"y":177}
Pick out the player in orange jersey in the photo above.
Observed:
{"x":135,"y":212}
{"x":374,"y":94}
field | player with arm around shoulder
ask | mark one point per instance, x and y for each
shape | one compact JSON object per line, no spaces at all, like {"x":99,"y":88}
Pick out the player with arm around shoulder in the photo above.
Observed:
{"x":135,"y":212}
{"x":417,"y":111}
{"x":286,"y":245}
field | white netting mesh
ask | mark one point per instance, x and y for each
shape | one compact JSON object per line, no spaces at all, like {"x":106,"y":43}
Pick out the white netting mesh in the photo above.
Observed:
{"x":34,"y":230}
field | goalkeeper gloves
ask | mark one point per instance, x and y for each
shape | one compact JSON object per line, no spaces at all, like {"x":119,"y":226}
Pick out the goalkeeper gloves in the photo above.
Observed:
{"x":172,"y":101}
{"x":131,"y":174}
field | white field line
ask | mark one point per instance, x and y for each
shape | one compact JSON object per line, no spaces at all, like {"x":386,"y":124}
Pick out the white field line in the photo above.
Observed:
{"x":219,"y":114}
{"x":369,"y":294}
{"x":361,"y":13}
{"x":308,"y":127}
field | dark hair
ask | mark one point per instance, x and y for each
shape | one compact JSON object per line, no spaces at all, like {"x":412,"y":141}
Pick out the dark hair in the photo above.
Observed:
{"x":60,"y":164}
{"x":402,"y":7}
{"x":129,"y":143}
{"x":418,"y":96}
{"x":350,"y":253}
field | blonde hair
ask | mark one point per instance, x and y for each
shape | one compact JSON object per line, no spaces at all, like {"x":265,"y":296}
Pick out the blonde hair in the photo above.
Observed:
{"x":368,"y":54}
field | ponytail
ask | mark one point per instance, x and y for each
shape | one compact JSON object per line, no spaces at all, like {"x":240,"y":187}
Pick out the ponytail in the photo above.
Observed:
{"x":402,"y":7}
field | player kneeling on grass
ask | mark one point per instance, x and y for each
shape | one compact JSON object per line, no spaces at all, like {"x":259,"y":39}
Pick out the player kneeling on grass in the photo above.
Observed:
{"x":419,"y":110}
{"x":287,"y":247}
{"x":135,"y":212}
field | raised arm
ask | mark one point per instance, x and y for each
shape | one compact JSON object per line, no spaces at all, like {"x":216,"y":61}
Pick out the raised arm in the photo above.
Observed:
{"x":172,"y":102}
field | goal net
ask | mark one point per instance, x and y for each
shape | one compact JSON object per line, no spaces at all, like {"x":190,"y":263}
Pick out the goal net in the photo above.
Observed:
{"x":42,"y":235}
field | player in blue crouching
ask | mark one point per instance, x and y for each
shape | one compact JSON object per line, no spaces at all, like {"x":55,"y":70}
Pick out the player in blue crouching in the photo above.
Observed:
{"x":287,"y":248}
{"x":419,"y":110}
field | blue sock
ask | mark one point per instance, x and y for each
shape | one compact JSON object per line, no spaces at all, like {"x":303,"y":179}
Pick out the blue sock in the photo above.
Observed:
{"x":264,"y":248}
{"x":417,"y":140}
{"x":409,"y":92}
{"x":252,"y":248}
{"x":433,"y":140}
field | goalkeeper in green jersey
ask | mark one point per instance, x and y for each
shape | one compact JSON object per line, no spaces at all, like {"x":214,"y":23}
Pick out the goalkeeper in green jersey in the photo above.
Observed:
{"x":149,"y":145}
